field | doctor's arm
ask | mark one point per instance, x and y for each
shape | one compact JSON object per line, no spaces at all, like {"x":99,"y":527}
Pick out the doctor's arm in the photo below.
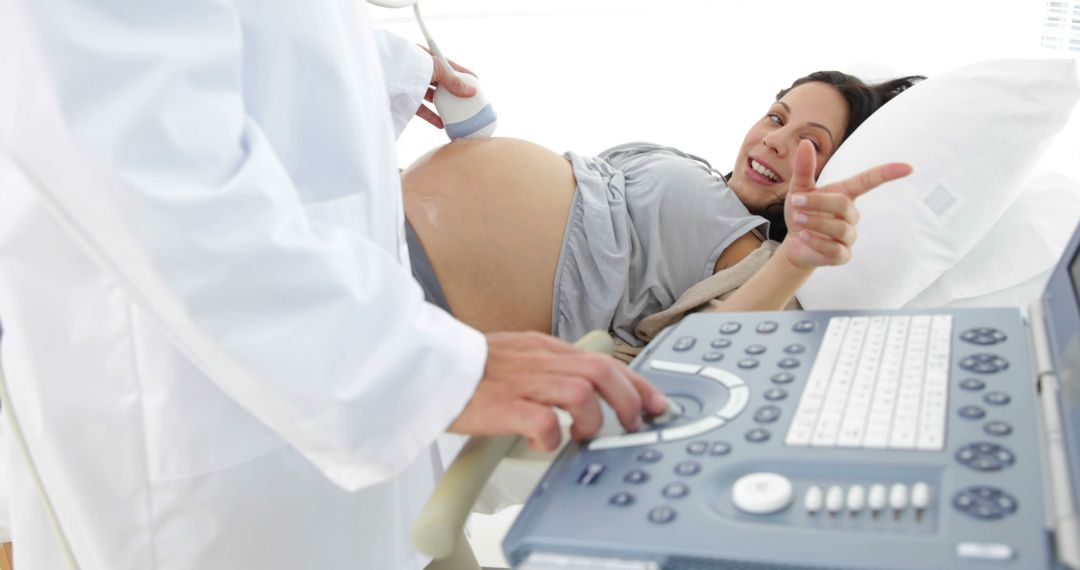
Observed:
{"x":176,"y":190}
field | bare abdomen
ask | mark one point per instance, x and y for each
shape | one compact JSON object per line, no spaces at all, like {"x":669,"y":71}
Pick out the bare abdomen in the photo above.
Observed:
{"x":491,"y":214}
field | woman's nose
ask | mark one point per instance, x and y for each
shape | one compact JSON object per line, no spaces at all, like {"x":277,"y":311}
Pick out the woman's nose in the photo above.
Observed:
{"x":777,"y":142}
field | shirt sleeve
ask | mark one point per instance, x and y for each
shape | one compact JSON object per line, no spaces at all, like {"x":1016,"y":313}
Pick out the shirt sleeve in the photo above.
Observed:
{"x":407,"y":69}
{"x":176,"y":191}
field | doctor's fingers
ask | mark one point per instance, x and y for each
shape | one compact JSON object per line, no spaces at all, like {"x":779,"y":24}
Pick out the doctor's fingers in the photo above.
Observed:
{"x":578,"y":388}
{"x":442,"y":75}
{"x":867,"y":180}
{"x":430,"y":116}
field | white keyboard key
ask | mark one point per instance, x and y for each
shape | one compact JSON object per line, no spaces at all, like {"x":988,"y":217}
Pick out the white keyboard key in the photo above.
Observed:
{"x":814,"y":500}
{"x":856,"y":499}
{"x":898,"y":497}
{"x":920,"y":495}
{"x":876,"y":498}
{"x":834,"y":500}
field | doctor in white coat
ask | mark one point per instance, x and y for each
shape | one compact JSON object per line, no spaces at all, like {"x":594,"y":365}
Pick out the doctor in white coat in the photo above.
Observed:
{"x":218,"y":354}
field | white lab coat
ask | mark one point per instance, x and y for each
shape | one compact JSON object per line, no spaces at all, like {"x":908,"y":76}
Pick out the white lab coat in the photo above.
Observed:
{"x":216,"y":353}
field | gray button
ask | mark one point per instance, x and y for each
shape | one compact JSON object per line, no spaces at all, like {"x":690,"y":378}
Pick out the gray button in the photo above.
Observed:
{"x":748,"y":363}
{"x":794,"y":349}
{"x":783,"y":378}
{"x":636,"y":477}
{"x":697,"y":447}
{"x":687,"y":468}
{"x":720,"y":448}
{"x":996,"y":398}
{"x":789,"y":362}
{"x":676,"y":490}
{"x":684,"y":343}
{"x":591,"y":474}
{"x":998,"y":428}
{"x":755,"y":349}
{"x":758,"y":435}
{"x":767,"y":414}
{"x":803,"y":326}
{"x":767,"y":327}
{"x":972,"y":384}
{"x":972,"y":413}
{"x":775,"y":394}
{"x":730,"y":327}
{"x":662,"y":514}
{"x":712,"y":356}
{"x":984,"y":551}
{"x":720,"y":343}
{"x":622,"y":499}
{"x":649,"y":455}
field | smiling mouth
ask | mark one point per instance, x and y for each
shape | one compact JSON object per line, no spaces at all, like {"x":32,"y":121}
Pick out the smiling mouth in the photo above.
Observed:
{"x":763,"y":171}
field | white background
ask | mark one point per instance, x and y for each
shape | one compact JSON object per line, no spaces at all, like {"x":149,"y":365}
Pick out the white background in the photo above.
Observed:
{"x":584,"y":75}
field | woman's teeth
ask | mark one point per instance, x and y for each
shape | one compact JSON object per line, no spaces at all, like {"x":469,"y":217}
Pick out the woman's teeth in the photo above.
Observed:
{"x":757,"y":166}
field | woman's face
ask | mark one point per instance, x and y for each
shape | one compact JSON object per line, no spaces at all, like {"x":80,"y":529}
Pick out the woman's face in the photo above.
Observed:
{"x":814,"y":111}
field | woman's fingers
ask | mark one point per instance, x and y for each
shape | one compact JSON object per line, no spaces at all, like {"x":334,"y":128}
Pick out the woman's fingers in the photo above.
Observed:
{"x":828,"y":226}
{"x":827,"y":250}
{"x":867,"y":180}
{"x":833,"y":204}
{"x":802,"y":179}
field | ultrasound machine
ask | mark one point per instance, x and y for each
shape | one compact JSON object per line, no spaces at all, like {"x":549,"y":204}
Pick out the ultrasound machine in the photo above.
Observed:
{"x":885,"y":440}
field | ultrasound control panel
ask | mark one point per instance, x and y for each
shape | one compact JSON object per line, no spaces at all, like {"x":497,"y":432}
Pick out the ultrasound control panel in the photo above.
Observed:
{"x":878,"y":440}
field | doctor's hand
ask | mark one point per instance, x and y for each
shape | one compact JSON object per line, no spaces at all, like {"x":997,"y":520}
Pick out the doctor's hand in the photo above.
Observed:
{"x":821,"y":221}
{"x":527,"y":373}
{"x":442,"y":75}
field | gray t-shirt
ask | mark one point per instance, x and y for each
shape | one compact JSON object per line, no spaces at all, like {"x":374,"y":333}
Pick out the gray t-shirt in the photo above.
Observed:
{"x":647,"y":222}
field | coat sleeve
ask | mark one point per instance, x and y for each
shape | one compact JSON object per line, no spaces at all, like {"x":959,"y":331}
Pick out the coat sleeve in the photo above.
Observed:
{"x":407,"y":70}
{"x":175,"y":190}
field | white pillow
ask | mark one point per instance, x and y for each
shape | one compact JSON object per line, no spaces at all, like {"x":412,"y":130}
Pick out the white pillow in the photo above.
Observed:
{"x":973,"y":134}
{"x":1026,"y":242}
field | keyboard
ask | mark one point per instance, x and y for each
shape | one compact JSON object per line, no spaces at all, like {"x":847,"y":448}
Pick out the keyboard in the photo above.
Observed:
{"x":878,"y":382}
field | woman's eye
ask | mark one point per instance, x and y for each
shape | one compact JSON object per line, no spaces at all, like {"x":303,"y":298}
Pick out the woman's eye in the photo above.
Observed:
{"x":817,"y":147}
{"x":775,"y":118}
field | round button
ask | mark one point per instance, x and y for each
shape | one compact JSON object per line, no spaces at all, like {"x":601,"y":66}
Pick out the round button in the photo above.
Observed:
{"x":972,"y":413}
{"x":720,"y":343}
{"x":676,"y":490}
{"x":762,"y":493}
{"x":794,"y":349}
{"x":697,"y":447}
{"x":987,"y":503}
{"x":730,"y":327}
{"x":972,"y":384}
{"x":748,"y":363}
{"x":636,"y":477}
{"x":783,"y":378}
{"x":755,"y":349}
{"x":789,"y":362}
{"x":767,"y":327}
{"x":684,"y":343}
{"x":767,"y":414}
{"x":687,"y":468}
{"x":649,"y":455}
{"x":775,"y":394}
{"x":803,"y":326}
{"x":757,"y":435}
{"x":622,"y":499}
{"x":720,"y":448}
{"x":662,"y":514}
{"x":996,"y":398}
{"x":998,"y":428}
{"x":712,"y":356}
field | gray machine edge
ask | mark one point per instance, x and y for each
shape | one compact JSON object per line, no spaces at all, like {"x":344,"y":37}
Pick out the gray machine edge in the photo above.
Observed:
{"x":1066,"y":521}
